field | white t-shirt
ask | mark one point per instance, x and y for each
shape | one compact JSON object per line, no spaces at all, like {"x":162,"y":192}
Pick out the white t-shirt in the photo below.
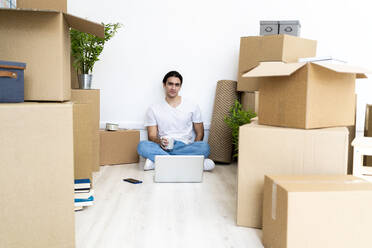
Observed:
{"x":176,"y":122}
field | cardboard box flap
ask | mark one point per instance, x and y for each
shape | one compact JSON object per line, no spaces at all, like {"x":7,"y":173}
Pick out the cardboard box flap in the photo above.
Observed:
{"x":85,"y":25}
{"x":73,"y":21}
{"x":344,"y":68}
{"x":271,"y":69}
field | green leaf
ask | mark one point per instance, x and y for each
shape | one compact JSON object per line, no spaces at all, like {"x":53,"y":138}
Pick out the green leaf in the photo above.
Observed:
{"x":234,"y":120}
{"x":86,"y":48}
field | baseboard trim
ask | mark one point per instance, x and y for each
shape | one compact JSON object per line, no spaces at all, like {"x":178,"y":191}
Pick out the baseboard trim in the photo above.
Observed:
{"x":136,"y":125}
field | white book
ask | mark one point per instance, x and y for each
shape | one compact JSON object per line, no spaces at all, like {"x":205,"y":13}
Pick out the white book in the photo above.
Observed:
{"x":83,"y":204}
{"x":82,"y":183}
{"x":84,"y":195}
{"x":78,"y":208}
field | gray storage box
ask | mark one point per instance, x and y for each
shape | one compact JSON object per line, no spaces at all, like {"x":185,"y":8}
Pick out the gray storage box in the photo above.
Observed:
{"x":11,"y":81}
{"x":290,"y":27}
{"x":269,"y":27}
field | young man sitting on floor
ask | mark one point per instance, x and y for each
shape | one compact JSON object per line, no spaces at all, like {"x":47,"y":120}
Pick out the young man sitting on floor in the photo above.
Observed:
{"x":174,"y":117}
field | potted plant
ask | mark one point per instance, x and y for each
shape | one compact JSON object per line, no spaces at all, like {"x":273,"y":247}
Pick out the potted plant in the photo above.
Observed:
{"x":85,"y":50}
{"x":238,"y":117}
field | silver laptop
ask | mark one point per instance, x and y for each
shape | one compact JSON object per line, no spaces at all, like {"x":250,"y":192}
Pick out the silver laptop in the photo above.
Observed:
{"x":178,"y":169}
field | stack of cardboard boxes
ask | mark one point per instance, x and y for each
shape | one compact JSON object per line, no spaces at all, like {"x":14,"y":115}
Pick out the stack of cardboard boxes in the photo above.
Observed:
{"x":304,"y":111}
{"x":43,"y":139}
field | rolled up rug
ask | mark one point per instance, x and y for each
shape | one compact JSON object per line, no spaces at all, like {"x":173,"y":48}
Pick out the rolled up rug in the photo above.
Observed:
{"x":220,"y":137}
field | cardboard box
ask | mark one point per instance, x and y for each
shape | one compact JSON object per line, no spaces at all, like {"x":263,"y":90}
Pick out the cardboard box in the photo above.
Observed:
{"x":367,"y":160}
{"x":83,"y":141}
{"x":368,"y":121}
{"x":41,"y":39}
{"x":275,"y":150}
{"x":91,"y":97}
{"x":119,"y":147}
{"x":317,"y":211}
{"x":249,"y":101}
{"x":307,"y":95}
{"x":36,"y":182}
{"x":60,"y":5}
{"x":351,"y":149}
{"x":254,"y":49}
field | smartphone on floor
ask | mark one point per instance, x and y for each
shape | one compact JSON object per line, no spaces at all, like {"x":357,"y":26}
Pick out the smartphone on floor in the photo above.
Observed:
{"x":132,"y":180}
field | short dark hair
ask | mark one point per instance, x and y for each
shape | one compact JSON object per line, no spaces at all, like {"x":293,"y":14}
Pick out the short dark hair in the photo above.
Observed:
{"x":172,"y":74}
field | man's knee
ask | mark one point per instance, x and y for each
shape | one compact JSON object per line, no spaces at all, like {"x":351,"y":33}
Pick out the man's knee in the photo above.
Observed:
{"x":204,"y":147}
{"x":142,"y":146}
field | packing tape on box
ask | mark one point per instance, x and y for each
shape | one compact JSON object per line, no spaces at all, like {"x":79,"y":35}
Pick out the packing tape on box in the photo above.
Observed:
{"x":112,"y":127}
{"x":275,"y":189}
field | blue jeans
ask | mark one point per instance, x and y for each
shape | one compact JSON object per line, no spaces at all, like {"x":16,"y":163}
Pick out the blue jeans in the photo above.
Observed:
{"x":149,"y":149}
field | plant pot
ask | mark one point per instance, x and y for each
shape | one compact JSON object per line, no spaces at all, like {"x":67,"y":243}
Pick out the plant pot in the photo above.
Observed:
{"x":85,"y":81}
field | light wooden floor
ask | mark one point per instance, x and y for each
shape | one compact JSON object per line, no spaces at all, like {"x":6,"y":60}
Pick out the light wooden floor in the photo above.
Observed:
{"x":162,"y":215}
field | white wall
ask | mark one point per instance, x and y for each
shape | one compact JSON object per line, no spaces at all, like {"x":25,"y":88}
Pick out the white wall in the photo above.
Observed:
{"x":201,"y":39}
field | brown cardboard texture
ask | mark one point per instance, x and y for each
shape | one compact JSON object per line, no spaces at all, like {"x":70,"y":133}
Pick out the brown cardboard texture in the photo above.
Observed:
{"x":276,"y":150}
{"x":307,"y":95}
{"x":83,"y":141}
{"x":91,"y":97}
{"x":119,"y":147}
{"x":351,"y":149}
{"x":41,"y":39}
{"x":249,"y":101}
{"x":368,"y":131}
{"x":37,"y":187}
{"x":60,"y":5}
{"x":317,"y":211}
{"x":254,"y":49}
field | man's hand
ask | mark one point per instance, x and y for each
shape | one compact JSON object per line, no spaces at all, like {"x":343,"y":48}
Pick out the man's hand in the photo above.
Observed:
{"x":152,"y":133}
{"x":163,"y":143}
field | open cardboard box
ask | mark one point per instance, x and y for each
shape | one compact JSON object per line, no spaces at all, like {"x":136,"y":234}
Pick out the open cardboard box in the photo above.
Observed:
{"x":41,"y":39}
{"x":254,"y":49}
{"x":306,"y":94}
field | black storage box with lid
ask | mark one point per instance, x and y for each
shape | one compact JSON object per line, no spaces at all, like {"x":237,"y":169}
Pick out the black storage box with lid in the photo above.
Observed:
{"x":11,"y":81}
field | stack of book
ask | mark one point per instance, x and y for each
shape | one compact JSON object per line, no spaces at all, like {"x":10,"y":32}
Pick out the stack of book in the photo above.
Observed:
{"x":83,"y":194}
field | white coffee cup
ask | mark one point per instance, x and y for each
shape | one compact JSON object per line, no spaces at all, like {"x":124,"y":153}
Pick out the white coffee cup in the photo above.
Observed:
{"x":170,"y":142}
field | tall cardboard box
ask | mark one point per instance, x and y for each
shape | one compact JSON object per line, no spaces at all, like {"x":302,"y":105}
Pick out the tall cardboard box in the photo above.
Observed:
{"x":317,"y":211}
{"x":91,"y":97}
{"x":83,"y":141}
{"x":307,"y":95}
{"x":41,"y":39}
{"x":275,"y":150}
{"x":60,"y":5}
{"x":368,"y":131}
{"x":36,"y":182}
{"x":249,"y":101}
{"x":254,"y":49}
{"x":119,"y":147}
